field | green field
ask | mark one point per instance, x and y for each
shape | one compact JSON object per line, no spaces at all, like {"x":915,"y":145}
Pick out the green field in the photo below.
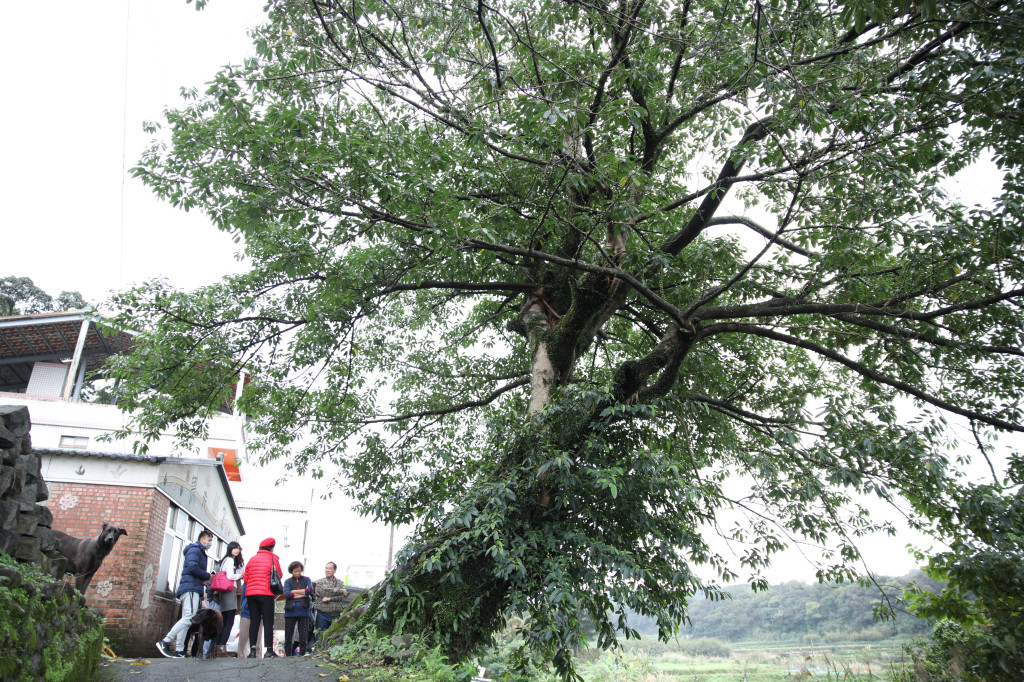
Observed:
{"x":772,"y":661}
{"x":653,"y":661}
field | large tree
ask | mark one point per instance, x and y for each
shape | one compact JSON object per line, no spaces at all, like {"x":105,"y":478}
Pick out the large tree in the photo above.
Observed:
{"x":561,"y":282}
{"x":20,"y":296}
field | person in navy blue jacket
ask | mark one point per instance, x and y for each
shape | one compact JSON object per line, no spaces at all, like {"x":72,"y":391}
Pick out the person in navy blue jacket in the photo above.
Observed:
{"x":297,"y":591}
{"x":194,"y":578}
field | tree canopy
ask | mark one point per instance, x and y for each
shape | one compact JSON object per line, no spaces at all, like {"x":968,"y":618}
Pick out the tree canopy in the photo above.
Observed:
{"x":791,"y":610}
{"x":561,"y":282}
{"x":20,"y":296}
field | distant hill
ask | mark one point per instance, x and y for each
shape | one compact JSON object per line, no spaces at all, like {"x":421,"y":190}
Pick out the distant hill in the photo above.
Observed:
{"x":794,"y":610}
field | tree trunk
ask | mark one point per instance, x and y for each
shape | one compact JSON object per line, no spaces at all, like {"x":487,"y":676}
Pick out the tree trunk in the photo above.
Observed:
{"x":446,"y":584}
{"x":537,"y":324}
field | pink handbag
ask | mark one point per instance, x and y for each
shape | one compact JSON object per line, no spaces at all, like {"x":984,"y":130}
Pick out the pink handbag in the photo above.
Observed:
{"x":221,"y":582}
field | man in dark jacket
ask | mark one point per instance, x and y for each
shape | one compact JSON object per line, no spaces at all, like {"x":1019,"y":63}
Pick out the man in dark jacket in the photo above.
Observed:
{"x":194,"y":578}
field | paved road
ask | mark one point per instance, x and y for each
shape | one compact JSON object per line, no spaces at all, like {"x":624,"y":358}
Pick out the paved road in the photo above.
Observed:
{"x":158,"y":669}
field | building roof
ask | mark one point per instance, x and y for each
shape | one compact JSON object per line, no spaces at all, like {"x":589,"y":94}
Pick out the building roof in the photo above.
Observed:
{"x":52,"y":337}
{"x":157,"y":460}
{"x":74,"y":452}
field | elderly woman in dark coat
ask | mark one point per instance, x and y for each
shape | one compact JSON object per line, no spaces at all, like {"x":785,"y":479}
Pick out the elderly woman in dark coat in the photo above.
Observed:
{"x":297,"y":591}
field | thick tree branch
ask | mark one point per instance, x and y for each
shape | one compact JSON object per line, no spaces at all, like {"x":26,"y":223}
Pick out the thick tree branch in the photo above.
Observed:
{"x":458,"y":286}
{"x":859,"y":368}
{"x":629,"y":384}
{"x":787,"y":307}
{"x":677,"y":64}
{"x":900,"y":332}
{"x":469,"y":404}
{"x":764,"y":232}
{"x":926,"y":50}
{"x":756,"y":131}
{"x":727,"y":407}
{"x":490,"y":42}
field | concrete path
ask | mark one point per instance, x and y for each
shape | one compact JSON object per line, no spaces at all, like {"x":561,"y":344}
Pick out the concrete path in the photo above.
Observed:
{"x":160,"y":669}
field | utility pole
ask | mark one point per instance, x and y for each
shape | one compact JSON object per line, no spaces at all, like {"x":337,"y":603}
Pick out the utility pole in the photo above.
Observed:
{"x":391,"y":547}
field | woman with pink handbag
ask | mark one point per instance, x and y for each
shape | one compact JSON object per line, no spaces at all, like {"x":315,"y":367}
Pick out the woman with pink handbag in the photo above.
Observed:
{"x":229,"y":569}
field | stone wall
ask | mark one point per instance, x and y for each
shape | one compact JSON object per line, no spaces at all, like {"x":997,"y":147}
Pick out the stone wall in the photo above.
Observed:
{"x":25,"y":526}
{"x":46,"y":631}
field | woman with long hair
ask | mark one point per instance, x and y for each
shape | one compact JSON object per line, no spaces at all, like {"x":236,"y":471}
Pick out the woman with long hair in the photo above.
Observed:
{"x":234,"y":565}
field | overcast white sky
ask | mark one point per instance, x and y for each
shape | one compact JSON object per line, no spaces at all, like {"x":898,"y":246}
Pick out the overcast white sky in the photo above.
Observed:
{"x":84,"y":77}
{"x":81,"y":79}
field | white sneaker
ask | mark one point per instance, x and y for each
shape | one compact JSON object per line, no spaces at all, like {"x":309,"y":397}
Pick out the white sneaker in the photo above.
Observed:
{"x":165,"y":649}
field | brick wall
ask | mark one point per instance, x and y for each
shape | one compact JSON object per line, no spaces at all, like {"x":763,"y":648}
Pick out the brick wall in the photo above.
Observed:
{"x":123,"y":588}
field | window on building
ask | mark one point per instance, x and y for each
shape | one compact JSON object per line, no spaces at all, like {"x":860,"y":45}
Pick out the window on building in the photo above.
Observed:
{"x":74,"y":442}
{"x":181,"y":531}
{"x":180,"y":521}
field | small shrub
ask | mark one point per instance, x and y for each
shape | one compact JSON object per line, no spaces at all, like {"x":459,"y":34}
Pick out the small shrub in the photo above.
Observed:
{"x":508,"y":661}
{"x":621,"y":666}
{"x":876,"y":633}
{"x":705,"y":646}
{"x":368,"y":649}
{"x":650,"y":646}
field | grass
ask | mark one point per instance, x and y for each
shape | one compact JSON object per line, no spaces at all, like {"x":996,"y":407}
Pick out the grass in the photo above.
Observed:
{"x":721,"y":671}
{"x":773,"y":662}
{"x":652,"y":661}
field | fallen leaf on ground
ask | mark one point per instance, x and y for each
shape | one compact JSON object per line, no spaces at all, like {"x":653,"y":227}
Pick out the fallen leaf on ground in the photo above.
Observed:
{"x":142,"y":661}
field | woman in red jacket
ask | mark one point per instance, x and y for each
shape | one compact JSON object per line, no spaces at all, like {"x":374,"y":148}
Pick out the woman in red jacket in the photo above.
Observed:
{"x":261,"y":597}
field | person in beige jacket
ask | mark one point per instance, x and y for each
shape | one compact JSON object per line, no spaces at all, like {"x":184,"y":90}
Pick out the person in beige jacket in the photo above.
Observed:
{"x":243,"y":629}
{"x":329,"y":596}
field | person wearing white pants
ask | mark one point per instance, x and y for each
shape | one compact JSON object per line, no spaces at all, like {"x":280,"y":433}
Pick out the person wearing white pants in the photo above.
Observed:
{"x":194,"y":578}
{"x":190,"y":602}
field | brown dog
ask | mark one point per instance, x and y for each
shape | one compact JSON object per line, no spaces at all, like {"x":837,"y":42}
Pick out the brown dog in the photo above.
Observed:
{"x":206,"y":627}
{"x":85,"y":556}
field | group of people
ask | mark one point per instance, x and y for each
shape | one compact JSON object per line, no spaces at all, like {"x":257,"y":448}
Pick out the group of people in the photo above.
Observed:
{"x":254,"y":602}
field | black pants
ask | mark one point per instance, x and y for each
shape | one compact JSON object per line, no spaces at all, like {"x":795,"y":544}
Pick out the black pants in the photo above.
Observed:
{"x":229,"y":620}
{"x":289,"y":630}
{"x":261,"y":608}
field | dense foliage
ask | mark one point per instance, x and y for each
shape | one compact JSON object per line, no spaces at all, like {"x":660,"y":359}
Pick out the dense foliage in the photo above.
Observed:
{"x":984,"y":567}
{"x":790,"y":611}
{"x":20,"y":296}
{"x":563,"y":281}
{"x":46,"y":632}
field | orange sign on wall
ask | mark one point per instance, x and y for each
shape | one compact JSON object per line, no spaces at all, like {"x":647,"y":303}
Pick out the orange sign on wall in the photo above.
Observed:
{"x":230,"y":462}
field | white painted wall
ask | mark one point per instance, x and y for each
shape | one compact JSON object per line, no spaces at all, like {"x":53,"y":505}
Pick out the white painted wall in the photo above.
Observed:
{"x":53,"y":418}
